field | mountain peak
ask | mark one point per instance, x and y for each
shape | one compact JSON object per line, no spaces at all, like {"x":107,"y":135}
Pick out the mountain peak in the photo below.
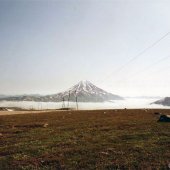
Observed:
{"x":84,"y":82}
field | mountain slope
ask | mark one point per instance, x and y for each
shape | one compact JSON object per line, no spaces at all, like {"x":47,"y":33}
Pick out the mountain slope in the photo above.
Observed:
{"x":84,"y":90}
{"x":164,"y":102}
{"x":2,"y":96}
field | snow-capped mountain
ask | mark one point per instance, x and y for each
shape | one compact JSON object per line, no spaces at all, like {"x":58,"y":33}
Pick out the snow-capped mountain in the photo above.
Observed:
{"x":85,"y":91}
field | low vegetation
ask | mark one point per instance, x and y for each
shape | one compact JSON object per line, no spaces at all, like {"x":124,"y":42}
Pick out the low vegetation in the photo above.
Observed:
{"x":105,"y":139}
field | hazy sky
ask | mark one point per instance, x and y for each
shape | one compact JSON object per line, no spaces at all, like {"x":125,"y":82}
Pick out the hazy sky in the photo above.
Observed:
{"x":48,"y":46}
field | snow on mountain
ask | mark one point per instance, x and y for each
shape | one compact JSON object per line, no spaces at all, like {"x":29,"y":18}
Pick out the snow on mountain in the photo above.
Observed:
{"x":87,"y":92}
{"x":86,"y":87}
{"x":84,"y":90}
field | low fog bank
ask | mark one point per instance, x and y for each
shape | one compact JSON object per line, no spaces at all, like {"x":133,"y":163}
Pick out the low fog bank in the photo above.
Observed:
{"x":129,"y":103}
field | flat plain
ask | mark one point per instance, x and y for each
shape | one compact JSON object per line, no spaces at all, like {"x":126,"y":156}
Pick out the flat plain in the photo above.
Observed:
{"x":96,"y":139}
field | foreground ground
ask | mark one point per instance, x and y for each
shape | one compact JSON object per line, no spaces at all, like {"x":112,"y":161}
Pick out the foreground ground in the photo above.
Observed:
{"x":110,"y":139}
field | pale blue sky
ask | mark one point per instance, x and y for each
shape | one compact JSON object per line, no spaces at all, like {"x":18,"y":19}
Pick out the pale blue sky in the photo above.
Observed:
{"x":48,"y":46}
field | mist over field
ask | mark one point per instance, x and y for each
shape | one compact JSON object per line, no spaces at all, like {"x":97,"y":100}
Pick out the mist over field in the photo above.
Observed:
{"x":129,"y":103}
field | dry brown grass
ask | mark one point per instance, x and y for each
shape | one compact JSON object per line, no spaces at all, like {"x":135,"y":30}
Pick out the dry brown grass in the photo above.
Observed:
{"x":103,"y":139}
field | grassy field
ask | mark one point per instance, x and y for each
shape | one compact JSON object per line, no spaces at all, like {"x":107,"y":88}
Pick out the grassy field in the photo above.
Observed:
{"x":105,"y":139}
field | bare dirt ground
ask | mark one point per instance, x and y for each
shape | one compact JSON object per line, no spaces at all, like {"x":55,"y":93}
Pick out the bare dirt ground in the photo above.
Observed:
{"x":3,"y":113}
